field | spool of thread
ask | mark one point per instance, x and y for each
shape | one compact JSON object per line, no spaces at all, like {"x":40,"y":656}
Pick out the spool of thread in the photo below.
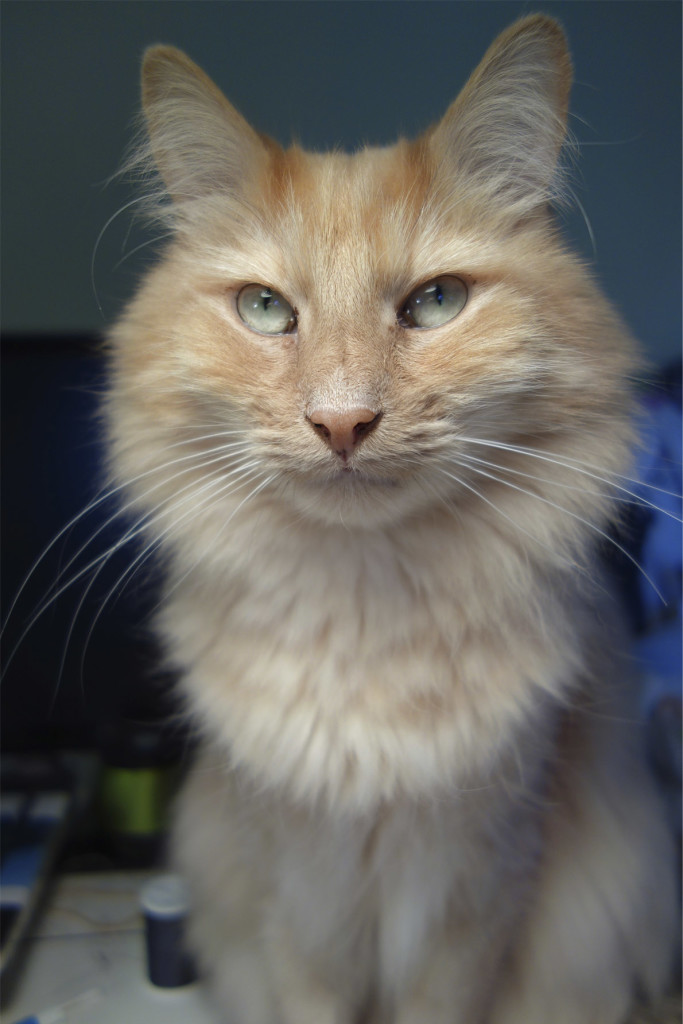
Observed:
{"x":165,"y":904}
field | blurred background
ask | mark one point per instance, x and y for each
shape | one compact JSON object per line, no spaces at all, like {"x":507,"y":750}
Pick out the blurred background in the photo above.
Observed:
{"x":323,"y":73}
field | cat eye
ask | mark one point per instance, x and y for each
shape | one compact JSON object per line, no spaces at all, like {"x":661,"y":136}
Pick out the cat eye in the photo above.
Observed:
{"x":433,"y":303}
{"x":265,"y":310}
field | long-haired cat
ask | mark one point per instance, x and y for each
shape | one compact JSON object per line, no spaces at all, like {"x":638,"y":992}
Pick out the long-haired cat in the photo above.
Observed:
{"x":376,"y":419}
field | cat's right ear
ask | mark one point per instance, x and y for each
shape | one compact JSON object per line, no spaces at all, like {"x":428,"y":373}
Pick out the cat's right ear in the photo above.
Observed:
{"x":199,"y":142}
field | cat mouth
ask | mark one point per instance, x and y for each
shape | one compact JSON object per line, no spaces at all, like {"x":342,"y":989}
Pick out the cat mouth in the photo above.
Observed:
{"x":348,"y":480}
{"x":347,"y":476}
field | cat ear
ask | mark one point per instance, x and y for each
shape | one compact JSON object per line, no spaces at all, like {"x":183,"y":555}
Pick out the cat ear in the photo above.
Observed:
{"x":504,"y":132}
{"x":199,"y":142}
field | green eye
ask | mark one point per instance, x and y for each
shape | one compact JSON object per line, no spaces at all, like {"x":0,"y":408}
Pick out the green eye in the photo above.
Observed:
{"x":433,"y":303}
{"x":265,"y":310}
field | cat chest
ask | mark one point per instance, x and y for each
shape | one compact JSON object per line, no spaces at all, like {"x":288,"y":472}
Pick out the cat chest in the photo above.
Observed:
{"x":386,"y":887}
{"x":348,"y":696}
{"x":337,"y":610}
{"x":347,"y":729}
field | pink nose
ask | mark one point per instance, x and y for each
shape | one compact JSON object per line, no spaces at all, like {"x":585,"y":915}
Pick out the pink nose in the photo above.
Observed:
{"x":344,"y":431}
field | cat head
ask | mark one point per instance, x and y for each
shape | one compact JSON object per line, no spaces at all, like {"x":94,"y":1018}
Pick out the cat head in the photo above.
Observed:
{"x":343,"y":334}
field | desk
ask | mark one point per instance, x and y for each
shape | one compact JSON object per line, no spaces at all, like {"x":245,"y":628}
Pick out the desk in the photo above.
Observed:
{"x":91,"y":937}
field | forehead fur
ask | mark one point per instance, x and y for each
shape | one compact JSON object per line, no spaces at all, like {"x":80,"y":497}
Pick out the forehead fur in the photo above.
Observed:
{"x":339,"y":214}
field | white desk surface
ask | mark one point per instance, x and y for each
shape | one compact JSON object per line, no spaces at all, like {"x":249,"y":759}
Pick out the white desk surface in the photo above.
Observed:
{"x":90,"y":939}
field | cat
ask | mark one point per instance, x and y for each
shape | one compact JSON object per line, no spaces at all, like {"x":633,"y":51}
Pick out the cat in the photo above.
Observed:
{"x":376,"y":419}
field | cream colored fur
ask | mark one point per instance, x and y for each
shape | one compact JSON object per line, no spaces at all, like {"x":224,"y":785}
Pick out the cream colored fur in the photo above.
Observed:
{"x":420,"y":796}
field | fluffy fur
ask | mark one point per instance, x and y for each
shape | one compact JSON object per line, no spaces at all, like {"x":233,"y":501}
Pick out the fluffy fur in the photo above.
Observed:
{"x":420,"y":796}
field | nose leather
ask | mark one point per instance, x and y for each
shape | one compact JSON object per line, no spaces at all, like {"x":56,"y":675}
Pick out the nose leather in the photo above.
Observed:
{"x":344,"y":430}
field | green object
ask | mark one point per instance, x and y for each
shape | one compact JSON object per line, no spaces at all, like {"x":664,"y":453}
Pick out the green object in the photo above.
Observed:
{"x":135,"y":800}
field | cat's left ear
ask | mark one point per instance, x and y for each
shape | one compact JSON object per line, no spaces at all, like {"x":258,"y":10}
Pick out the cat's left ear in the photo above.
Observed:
{"x":198,"y":141}
{"x":502,"y":136}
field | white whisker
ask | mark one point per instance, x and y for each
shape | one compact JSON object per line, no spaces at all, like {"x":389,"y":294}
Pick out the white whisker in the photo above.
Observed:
{"x":207,"y":502}
{"x":103,"y":497}
{"x":578,"y":518}
{"x":142,"y":524}
{"x":138,"y":248}
{"x":499,"y":511}
{"x":634,"y":499}
{"x":119,"y":513}
{"x":169,"y":590}
{"x":122,"y":209}
{"x":578,"y":466}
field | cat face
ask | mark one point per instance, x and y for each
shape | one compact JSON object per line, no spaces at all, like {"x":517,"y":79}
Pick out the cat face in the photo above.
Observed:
{"x":363,"y":337}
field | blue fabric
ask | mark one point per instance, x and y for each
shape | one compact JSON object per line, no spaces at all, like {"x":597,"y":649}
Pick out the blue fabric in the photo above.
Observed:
{"x":658,"y":643}
{"x":656,"y":544}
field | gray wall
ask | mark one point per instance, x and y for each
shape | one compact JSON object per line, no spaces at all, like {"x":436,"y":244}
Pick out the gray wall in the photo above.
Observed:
{"x":327,"y":73}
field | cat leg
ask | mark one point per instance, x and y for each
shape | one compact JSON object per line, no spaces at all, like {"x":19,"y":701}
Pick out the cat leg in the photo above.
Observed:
{"x":224,"y":929}
{"x":304,"y":997}
{"x":456,"y":986}
{"x":454,"y":883}
{"x":240,"y":988}
{"x":269,"y":902}
{"x":603,"y":922}
{"x":228,"y":948}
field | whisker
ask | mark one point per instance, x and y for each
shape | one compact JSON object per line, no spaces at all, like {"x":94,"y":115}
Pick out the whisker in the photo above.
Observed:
{"x":101,"y":559}
{"x":207,"y":437}
{"x":122,"y":209}
{"x":162,"y":508}
{"x":154,"y":544}
{"x":268,"y":480}
{"x":635,"y":499}
{"x":585,"y":468}
{"x":143,"y":525}
{"x":513,"y":522}
{"x":578,"y":518}
{"x":99,"y":500}
{"x":138,"y":248}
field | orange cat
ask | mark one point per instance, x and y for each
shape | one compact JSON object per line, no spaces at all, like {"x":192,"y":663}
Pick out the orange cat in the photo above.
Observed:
{"x":374,"y":416}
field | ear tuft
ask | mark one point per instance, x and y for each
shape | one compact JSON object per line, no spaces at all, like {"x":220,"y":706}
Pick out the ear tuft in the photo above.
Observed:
{"x":504,"y":132}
